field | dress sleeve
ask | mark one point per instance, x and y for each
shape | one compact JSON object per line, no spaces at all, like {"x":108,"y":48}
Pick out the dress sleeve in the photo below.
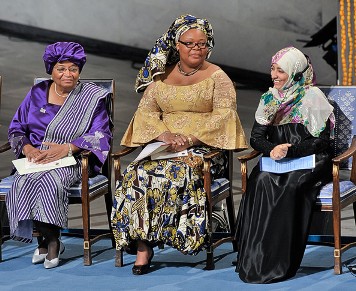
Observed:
{"x":259,"y":140}
{"x":217,"y":125}
{"x":98,"y":138}
{"x":18,"y":129}
{"x":222,"y":127}
{"x":312,"y":145}
{"x":146,"y":124}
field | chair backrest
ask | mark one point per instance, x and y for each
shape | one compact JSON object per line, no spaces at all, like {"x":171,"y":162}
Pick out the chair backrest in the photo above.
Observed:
{"x":343,"y":98}
{"x":109,"y":85}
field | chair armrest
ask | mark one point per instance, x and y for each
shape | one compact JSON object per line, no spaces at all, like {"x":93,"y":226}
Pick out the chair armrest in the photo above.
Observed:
{"x":85,"y":162}
{"x":251,"y":155}
{"x":243,"y":168}
{"x":350,"y":152}
{"x":116,"y":160}
{"x":207,"y":174}
{"x":347,"y":154}
{"x":85,"y":175}
{"x":212,"y":154}
{"x":5,"y":147}
{"x":85,"y":153}
{"x":122,"y":152}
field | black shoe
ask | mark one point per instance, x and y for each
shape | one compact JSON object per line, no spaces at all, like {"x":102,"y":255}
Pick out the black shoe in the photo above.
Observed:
{"x":131,"y":248}
{"x":143,"y":269}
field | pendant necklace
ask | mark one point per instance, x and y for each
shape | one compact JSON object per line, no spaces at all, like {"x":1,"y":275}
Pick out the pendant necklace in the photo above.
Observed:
{"x":180,"y":70}
{"x":55,"y":90}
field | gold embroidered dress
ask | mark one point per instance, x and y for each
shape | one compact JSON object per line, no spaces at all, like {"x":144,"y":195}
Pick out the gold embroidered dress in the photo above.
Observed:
{"x":164,"y":200}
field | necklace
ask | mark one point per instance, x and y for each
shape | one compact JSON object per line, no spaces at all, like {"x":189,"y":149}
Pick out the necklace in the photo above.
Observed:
{"x":55,"y":90}
{"x":180,"y":70}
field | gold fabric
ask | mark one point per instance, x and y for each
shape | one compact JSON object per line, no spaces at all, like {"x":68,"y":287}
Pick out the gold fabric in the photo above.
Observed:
{"x":206,"y":110}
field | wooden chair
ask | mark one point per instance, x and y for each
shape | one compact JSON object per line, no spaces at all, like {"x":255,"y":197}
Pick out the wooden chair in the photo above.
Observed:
{"x":339,"y":193}
{"x":88,"y":189}
{"x":216,"y":191}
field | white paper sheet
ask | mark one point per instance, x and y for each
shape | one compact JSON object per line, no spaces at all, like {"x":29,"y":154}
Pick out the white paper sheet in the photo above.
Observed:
{"x":23,"y":166}
{"x":157,"y":151}
{"x":150,"y":149}
{"x":167,"y":155}
{"x":287,"y":164}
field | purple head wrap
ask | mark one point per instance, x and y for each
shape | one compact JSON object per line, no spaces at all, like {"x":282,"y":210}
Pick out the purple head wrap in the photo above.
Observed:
{"x":64,"y":51}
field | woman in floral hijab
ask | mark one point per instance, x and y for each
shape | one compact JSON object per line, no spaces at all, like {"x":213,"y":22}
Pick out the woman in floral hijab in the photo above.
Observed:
{"x":293,"y":119}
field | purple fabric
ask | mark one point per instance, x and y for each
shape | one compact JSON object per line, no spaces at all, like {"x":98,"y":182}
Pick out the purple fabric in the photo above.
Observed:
{"x":30,"y":122}
{"x":63,"y":51}
{"x":81,"y":120}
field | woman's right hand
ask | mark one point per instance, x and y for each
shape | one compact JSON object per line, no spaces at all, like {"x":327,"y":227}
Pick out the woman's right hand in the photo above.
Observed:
{"x":30,"y":152}
{"x":175,"y":141}
{"x":279,"y":151}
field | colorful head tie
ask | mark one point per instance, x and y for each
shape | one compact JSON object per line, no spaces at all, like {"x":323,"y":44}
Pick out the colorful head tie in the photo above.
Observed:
{"x":165,"y":53}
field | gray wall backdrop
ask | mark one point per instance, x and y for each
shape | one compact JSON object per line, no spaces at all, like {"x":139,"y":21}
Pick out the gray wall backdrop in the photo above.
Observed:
{"x":247,"y":32}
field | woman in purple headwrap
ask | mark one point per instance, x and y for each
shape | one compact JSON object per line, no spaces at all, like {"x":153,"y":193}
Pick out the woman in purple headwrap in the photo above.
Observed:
{"x":58,"y":118}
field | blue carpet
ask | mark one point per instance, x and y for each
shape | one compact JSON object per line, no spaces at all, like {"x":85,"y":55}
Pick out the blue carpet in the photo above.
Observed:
{"x":171,"y":271}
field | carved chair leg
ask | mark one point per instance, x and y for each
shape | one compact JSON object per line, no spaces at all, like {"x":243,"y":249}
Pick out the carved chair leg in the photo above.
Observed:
{"x":86,"y":226}
{"x":337,"y":240}
{"x":210,"y":265}
{"x":119,"y":258}
{"x":337,"y":262}
{"x":87,"y":253}
{"x":108,"y":204}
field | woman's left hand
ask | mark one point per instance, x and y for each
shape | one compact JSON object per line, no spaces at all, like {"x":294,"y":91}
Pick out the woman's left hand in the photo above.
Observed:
{"x":53,"y":153}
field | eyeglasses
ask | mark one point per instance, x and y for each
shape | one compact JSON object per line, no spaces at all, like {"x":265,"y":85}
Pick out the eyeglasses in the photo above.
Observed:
{"x":190,"y":44}
{"x":72,"y":70}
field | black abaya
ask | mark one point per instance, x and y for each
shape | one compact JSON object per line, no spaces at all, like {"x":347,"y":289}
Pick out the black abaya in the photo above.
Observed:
{"x":276,"y":211}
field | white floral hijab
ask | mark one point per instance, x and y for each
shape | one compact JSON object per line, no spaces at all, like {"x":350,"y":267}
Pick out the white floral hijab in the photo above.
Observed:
{"x":298,"y":101}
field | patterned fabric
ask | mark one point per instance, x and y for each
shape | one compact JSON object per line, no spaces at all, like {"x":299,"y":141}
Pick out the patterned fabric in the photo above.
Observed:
{"x":299,"y":101}
{"x":164,"y":200}
{"x":206,"y":110}
{"x":343,"y":98}
{"x":165,"y":53}
{"x":63,"y":51}
{"x":43,"y":196}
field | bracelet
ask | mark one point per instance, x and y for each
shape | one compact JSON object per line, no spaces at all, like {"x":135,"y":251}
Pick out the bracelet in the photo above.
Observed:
{"x":70,"y":152}
{"x":190,"y":141}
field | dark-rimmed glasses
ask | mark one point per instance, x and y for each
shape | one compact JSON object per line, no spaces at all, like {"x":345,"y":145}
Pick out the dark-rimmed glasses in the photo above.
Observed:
{"x":190,"y":44}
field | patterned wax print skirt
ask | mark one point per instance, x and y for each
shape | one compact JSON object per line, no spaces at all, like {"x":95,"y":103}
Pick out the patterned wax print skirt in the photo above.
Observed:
{"x":164,"y":201}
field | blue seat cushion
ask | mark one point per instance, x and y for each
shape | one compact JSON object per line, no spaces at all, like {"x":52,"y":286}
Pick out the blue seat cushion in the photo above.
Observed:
{"x":219,"y":186}
{"x":347,"y":189}
{"x":95,"y":183}
{"x":5,"y":184}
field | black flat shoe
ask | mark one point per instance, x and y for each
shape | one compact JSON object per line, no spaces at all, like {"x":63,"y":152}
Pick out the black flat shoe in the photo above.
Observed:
{"x":143,"y":269}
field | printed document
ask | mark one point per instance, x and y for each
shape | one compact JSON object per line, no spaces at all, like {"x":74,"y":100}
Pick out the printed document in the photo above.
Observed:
{"x":24,"y":166}
{"x":287,"y":164}
{"x":157,"y":151}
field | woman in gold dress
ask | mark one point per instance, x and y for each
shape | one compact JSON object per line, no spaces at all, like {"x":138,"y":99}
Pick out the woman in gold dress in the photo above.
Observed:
{"x":188,"y":103}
